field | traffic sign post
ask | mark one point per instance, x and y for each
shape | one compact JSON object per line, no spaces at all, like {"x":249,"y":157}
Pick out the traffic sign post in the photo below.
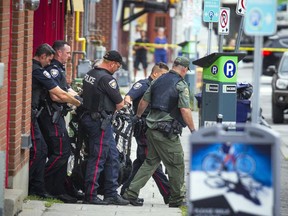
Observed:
{"x":219,"y":88}
{"x":260,"y":20}
{"x":223,"y":26}
{"x":234,"y":172}
{"x":224,"y":21}
{"x":241,"y":7}
{"x":211,"y":14}
{"x":211,"y":10}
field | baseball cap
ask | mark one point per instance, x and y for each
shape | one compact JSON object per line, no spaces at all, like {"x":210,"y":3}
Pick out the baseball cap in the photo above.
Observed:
{"x":182,"y":60}
{"x":113,"y":55}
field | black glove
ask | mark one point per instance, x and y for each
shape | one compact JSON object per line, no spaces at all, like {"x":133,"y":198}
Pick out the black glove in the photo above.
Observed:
{"x":135,"y":119}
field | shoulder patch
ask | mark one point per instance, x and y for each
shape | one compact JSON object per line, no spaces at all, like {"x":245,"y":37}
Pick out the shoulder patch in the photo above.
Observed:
{"x":113,"y":84}
{"x":186,"y":92}
{"x":54,"y":72}
{"x":46,"y":74}
{"x":137,"y":85}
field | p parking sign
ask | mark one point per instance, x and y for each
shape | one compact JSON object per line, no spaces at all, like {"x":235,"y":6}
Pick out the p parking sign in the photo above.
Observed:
{"x":211,"y":10}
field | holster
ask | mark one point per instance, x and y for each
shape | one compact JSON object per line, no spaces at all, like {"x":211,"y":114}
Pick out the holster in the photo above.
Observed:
{"x":57,"y":113}
{"x":106,"y":120}
{"x":140,"y":127}
{"x":168,"y":128}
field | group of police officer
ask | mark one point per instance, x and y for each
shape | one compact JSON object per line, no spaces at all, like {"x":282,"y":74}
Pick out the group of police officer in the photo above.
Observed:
{"x":161,"y":113}
{"x":50,"y":141}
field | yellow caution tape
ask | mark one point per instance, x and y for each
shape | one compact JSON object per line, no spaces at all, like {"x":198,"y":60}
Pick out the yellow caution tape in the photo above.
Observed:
{"x":225,"y":48}
{"x":252,"y":49}
{"x":156,"y":45}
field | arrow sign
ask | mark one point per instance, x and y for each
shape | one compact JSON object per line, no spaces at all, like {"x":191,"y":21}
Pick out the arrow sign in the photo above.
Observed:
{"x":241,"y":7}
{"x":211,"y":10}
{"x":224,"y":21}
{"x":260,"y":17}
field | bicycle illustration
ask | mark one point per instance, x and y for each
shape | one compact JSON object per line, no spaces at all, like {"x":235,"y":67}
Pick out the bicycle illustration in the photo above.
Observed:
{"x":228,"y":159}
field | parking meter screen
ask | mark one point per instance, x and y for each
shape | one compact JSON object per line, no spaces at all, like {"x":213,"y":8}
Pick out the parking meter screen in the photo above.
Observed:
{"x":231,"y":179}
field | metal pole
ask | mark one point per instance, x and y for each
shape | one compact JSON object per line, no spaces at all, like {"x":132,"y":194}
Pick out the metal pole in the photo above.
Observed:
{"x":220,"y":45}
{"x":256,"y":78}
{"x":130,"y":53}
{"x":239,"y":36}
{"x":209,"y":38}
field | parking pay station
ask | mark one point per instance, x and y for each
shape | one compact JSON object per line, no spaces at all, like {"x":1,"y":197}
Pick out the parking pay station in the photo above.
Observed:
{"x":219,"y":87}
{"x":234,"y":172}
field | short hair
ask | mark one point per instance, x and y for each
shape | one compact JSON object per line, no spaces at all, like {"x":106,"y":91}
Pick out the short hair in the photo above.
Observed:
{"x":59,"y":44}
{"x":160,"y":65}
{"x":44,"y":49}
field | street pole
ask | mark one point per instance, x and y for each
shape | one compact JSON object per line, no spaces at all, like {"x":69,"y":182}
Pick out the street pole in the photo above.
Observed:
{"x":239,"y":36}
{"x":209,"y":38}
{"x":130,"y":51}
{"x":256,"y":78}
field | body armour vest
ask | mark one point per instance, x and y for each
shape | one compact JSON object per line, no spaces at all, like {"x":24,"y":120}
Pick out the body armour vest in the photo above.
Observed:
{"x":38,"y":91}
{"x":95,"y":100}
{"x":166,"y":99}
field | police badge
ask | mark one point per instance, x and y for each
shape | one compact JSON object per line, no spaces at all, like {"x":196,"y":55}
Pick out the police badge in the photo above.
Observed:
{"x":54,"y":72}
{"x":46,"y":74}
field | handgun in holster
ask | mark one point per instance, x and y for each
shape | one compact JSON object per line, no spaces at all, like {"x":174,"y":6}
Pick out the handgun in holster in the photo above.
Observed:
{"x":57,"y":113}
{"x":106,"y":120}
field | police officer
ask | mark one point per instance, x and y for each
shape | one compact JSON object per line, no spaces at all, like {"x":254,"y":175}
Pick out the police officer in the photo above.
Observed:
{"x":101,"y":98}
{"x":42,"y":85}
{"x":134,"y":95}
{"x":170,"y":111}
{"x":52,"y":121}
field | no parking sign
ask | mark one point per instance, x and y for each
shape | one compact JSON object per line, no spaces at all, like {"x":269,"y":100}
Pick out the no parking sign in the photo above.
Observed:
{"x":224,"y":21}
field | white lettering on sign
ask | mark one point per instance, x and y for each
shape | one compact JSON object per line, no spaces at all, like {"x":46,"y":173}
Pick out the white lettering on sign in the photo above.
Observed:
{"x":229,"y":124}
{"x":229,"y":88}
{"x":89,"y":79}
{"x":212,"y":88}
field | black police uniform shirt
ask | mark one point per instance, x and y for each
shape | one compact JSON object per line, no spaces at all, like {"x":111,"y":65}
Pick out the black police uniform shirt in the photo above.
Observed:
{"x":41,"y":79}
{"x":107,"y":85}
{"x":137,"y":91}
{"x":57,"y":72}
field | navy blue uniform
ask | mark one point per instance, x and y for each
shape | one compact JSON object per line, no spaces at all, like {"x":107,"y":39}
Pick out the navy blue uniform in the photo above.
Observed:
{"x":136,"y":93}
{"x":100,"y":95}
{"x":41,"y":83}
{"x":56,"y":136}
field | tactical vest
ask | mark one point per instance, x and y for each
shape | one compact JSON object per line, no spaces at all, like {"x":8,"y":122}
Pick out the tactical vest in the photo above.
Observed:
{"x":94,"y":100}
{"x":164,"y":95}
{"x":38,"y":91}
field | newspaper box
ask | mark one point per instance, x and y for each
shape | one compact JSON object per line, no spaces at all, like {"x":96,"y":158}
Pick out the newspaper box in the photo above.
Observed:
{"x":234,"y":172}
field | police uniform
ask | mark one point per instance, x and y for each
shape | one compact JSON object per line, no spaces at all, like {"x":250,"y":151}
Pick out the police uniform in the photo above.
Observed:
{"x":136,"y":93}
{"x":41,"y":83}
{"x":162,"y":146}
{"x":100,"y":96}
{"x":56,"y":136}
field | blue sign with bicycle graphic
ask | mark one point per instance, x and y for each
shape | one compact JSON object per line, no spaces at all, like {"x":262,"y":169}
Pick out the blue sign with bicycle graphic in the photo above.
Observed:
{"x":233,"y":175}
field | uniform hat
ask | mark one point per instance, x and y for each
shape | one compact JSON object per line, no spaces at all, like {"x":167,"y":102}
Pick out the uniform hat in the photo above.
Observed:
{"x":182,"y":60}
{"x":113,"y":55}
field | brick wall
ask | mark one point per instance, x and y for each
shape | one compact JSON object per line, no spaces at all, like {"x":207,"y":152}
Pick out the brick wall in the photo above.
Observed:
{"x":20,"y":88}
{"x":4,"y":51}
{"x":104,"y":20}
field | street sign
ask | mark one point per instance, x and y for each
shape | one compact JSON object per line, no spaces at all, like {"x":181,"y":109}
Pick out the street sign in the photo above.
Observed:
{"x":241,"y":7}
{"x":224,"y":21}
{"x":260,"y":17}
{"x":211,"y":10}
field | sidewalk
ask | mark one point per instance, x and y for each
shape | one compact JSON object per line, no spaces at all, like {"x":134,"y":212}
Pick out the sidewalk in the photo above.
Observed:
{"x":153,"y":201}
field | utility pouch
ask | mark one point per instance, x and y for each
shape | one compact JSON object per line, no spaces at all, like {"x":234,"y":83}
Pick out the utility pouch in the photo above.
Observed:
{"x":176,"y":127}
